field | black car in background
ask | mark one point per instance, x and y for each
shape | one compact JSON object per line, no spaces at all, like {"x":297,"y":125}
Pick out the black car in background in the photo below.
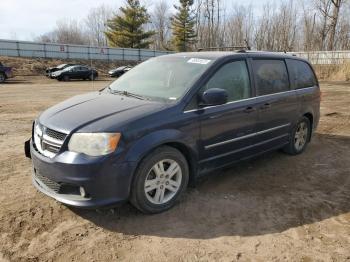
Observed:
{"x":50,"y":70}
{"x":75,"y":72}
{"x":117,"y":72}
{"x":5,"y":72}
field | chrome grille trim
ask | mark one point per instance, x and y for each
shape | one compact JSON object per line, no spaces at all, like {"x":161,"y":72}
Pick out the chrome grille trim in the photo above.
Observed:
{"x":48,"y":141}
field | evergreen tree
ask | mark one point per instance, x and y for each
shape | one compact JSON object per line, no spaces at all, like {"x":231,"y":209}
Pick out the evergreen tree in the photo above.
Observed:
{"x":183,"y":23}
{"x":127,"y":29}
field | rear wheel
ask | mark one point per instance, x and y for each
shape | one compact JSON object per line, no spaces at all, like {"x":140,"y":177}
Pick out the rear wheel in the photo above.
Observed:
{"x":92,"y":77}
{"x":2,"y":77}
{"x":300,"y":137}
{"x":159,"y":181}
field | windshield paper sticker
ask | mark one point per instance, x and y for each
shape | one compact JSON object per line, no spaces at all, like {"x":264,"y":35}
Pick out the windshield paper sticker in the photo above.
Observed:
{"x":198,"y":61}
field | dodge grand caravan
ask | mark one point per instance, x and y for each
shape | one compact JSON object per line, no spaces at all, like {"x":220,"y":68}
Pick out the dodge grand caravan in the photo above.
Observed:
{"x":171,"y":119}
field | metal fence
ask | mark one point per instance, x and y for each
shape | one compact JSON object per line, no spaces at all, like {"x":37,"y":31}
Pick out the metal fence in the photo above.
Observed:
{"x":325,"y":57}
{"x":64,"y":51}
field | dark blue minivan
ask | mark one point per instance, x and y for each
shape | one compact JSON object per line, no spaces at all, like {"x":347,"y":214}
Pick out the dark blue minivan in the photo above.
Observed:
{"x":169,"y":120}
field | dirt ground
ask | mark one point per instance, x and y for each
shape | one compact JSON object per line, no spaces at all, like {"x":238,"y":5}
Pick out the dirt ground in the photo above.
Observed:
{"x":273,"y":208}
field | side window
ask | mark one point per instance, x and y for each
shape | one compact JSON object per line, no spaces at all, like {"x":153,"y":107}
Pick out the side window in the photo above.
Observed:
{"x":301,"y":74}
{"x":234,"y":78}
{"x":270,"y":76}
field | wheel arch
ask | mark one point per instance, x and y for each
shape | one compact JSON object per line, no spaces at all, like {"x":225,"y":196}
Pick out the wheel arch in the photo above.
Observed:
{"x":172,"y":138}
{"x":310,"y":116}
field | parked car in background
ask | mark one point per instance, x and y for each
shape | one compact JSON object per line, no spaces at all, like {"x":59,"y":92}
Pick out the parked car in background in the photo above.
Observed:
{"x":50,"y":70}
{"x":117,"y":72}
{"x":75,"y":72}
{"x":169,"y":121}
{"x":5,"y":72}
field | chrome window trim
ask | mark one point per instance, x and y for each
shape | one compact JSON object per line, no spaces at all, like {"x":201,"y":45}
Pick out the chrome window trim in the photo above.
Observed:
{"x":246,"y":136}
{"x":247,"y":99}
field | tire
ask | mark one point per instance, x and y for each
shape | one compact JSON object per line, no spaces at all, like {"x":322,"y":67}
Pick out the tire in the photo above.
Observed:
{"x":66,"y":78}
{"x":300,"y":137}
{"x":92,"y":77}
{"x":2,"y":77}
{"x":157,"y":197}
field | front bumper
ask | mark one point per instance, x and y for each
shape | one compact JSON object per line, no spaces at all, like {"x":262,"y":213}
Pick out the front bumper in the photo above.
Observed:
{"x":105,"y":181}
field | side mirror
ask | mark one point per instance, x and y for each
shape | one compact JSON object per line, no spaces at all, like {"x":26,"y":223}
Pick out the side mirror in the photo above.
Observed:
{"x":213,"y":97}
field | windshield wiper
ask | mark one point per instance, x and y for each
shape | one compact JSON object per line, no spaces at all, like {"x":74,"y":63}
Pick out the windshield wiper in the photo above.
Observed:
{"x":126,"y":93}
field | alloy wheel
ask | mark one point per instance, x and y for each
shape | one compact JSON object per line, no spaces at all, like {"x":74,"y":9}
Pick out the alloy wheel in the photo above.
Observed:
{"x":163,"y":181}
{"x":300,"y":136}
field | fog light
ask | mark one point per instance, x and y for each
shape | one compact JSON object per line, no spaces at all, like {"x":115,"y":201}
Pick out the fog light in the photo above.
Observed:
{"x":82,"y":191}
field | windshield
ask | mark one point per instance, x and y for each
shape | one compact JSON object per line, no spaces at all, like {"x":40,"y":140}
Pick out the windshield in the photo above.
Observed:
{"x":68,"y":68}
{"x":61,"y":66}
{"x":165,"y":78}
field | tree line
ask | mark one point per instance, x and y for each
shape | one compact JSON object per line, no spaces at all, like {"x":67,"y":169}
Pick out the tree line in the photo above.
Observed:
{"x":287,"y":25}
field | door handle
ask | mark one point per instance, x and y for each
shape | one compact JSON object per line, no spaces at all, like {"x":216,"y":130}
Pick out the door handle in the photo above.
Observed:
{"x":249,"y":109}
{"x":265,"y":106}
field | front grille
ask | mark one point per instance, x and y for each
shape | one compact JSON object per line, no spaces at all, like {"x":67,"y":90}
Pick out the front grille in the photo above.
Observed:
{"x":54,"y":186}
{"x":47,"y":141}
{"x":50,"y":147}
{"x":55,"y":134}
{"x":58,"y":188}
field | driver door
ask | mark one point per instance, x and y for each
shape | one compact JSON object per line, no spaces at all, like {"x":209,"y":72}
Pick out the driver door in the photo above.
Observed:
{"x":227,"y":131}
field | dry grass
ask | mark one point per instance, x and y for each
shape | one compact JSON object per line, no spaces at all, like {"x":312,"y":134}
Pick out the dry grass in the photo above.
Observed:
{"x":340,"y":72}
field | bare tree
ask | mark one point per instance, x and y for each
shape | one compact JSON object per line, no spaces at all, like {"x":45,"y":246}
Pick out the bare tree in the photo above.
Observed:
{"x":160,"y":19}
{"x":95,"y":23}
{"x":239,"y":26}
{"x":309,"y":34}
{"x":336,"y":4}
{"x":66,"y":32}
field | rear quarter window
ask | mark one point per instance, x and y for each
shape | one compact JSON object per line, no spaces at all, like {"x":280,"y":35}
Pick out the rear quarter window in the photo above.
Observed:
{"x":270,"y":76}
{"x":301,"y":74}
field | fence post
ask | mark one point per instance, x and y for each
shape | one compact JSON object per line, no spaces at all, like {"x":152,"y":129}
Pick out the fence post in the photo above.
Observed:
{"x":107,"y":53}
{"x":88,"y":53}
{"x":67,"y":51}
{"x":139,"y":54}
{"x":123,"y":54}
{"x":17,"y":46}
{"x":45,"y":50}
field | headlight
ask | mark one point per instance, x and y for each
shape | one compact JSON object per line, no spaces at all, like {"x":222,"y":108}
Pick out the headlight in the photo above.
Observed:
{"x":94,"y":144}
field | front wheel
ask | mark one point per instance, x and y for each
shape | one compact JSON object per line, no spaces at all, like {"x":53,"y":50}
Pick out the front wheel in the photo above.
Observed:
{"x":159,"y":181}
{"x":300,"y":137}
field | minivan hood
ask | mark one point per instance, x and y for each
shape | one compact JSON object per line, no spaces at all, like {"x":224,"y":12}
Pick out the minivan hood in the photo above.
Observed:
{"x":86,"y":112}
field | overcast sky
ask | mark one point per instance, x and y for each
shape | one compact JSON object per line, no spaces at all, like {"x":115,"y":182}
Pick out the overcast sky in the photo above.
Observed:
{"x":25,"y":19}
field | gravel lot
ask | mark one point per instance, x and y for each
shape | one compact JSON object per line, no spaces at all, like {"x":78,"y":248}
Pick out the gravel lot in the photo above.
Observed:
{"x":275,"y":207}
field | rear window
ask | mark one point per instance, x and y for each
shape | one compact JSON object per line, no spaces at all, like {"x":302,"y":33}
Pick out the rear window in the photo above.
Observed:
{"x":301,"y":74}
{"x":270,"y":76}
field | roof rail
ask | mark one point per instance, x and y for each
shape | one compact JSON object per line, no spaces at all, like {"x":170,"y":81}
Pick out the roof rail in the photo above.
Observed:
{"x":240,"y":49}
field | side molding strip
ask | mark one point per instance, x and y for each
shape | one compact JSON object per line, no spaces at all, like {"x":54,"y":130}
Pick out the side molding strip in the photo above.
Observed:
{"x":246,"y":136}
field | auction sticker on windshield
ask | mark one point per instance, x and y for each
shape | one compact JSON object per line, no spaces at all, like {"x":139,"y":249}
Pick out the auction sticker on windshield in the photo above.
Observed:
{"x":198,"y":61}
